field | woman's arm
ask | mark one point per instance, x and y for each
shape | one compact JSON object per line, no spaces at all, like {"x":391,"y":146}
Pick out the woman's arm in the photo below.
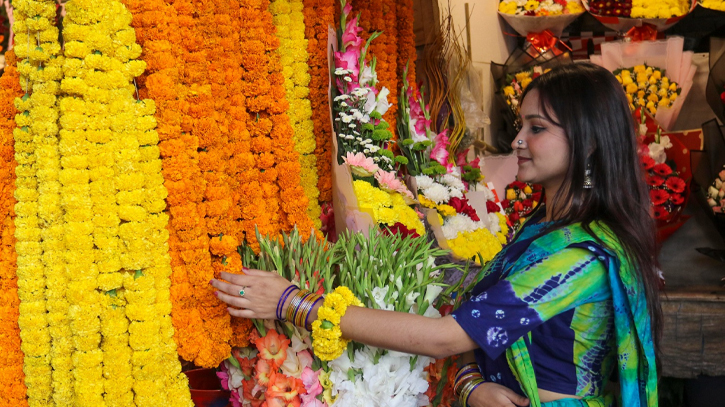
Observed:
{"x":435,"y":337}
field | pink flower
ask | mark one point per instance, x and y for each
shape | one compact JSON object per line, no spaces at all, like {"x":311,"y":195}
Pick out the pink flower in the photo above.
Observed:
{"x":348,"y":60}
{"x":347,"y":9}
{"x":311,"y":381}
{"x":389,"y":182}
{"x":223,"y":378}
{"x":235,"y":399}
{"x":351,"y":37}
{"x":440,"y":152}
{"x":461,"y":158}
{"x":361,"y":165}
{"x":476,"y":163}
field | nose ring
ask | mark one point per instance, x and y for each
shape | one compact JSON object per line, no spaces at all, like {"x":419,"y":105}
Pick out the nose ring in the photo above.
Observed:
{"x":520,"y":142}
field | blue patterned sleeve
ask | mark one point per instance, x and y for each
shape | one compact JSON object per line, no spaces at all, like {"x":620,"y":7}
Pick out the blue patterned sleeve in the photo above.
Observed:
{"x":498,"y":316}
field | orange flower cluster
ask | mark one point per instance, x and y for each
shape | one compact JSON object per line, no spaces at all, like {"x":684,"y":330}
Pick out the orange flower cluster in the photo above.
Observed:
{"x":442,"y":370}
{"x":194,"y":153}
{"x":229,"y":162}
{"x":381,"y":15}
{"x":406,"y":40}
{"x":11,"y":357}
{"x":319,"y":14}
{"x":271,"y":198}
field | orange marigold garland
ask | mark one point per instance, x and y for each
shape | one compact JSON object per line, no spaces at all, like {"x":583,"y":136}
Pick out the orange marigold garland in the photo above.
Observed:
{"x":381,"y":16}
{"x":406,"y":40}
{"x":11,"y":357}
{"x":319,"y":15}
{"x":175,"y":72}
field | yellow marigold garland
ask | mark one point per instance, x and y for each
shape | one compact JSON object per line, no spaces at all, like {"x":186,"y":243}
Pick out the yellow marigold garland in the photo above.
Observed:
{"x":40,"y":261}
{"x":327,"y":341}
{"x":469,"y":245}
{"x":319,"y":15}
{"x":289,"y":21}
{"x":11,"y":357}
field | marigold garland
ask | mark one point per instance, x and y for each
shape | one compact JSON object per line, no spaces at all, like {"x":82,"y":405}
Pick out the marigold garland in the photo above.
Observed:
{"x":382,"y":16}
{"x":11,"y":357}
{"x":319,"y":15}
{"x":289,"y":21}
{"x":40,"y":258}
{"x":407,"y":54}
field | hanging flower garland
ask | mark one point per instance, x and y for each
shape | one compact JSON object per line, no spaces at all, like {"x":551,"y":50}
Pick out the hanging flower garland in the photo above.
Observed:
{"x":177,"y":80}
{"x":382,"y":16}
{"x":40,"y":251}
{"x":289,"y":21}
{"x":276,"y":176}
{"x":11,"y":357}
{"x":407,"y":55}
{"x":318,"y":16}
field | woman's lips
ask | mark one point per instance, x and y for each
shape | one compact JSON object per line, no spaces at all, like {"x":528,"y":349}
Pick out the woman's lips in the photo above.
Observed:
{"x":523,"y":160}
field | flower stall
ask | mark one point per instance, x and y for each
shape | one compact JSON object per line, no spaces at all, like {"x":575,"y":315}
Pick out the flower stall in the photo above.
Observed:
{"x":356,"y":148}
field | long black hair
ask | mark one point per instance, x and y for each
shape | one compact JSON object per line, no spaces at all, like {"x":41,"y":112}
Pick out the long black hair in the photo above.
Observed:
{"x":591,"y":107}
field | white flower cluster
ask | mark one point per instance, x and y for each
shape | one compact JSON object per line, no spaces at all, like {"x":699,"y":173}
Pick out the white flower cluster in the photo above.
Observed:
{"x":389,"y":382}
{"x":657,"y":150}
{"x":440,"y":192}
{"x":461,"y":223}
{"x":547,"y":5}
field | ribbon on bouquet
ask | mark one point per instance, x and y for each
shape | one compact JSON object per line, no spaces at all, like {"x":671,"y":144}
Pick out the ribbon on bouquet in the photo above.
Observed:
{"x":647,"y":32}
{"x":545,"y":41}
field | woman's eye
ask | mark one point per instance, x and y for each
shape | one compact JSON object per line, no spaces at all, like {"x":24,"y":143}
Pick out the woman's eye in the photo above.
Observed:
{"x":537,"y":129}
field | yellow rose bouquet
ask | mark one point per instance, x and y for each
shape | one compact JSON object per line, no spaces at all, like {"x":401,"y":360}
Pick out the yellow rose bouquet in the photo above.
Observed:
{"x":656,"y":75}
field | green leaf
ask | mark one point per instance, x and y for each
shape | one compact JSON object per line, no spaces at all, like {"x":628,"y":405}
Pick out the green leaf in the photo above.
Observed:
{"x":138,"y":274}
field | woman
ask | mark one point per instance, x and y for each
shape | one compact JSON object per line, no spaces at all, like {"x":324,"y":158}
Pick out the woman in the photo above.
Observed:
{"x":573,"y":297}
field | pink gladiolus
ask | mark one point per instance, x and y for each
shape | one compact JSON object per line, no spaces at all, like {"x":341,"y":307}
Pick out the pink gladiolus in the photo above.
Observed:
{"x":347,"y":9}
{"x":311,"y":381}
{"x":461,"y":158}
{"x":235,"y":399}
{"x":361,"y":165}
{"x":224,"y":379}
{"x":348,"y":60}
{"x":440,"y":152}
{"x":351,"y":37}
{"x":476,"y":163}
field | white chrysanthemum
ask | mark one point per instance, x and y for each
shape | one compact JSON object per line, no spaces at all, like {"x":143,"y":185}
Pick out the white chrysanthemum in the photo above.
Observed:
{"x":460,"y":223}
{"x":456,"y":193}
{"x":437,"y":193}
{"x":493,"y":225}
{"x":453,"y":182}
{"x":423,"y":181}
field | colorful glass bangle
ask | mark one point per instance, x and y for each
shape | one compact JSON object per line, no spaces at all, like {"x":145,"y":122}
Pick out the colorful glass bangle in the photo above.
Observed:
{"x":294,"y":304}
{"x":468,"y":388}
{"x":283,"y":299}
{"x":305,"y":309}
{"x":307,"y":326}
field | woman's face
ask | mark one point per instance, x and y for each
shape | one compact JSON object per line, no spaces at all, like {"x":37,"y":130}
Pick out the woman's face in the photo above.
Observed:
{"x":544,"y":151}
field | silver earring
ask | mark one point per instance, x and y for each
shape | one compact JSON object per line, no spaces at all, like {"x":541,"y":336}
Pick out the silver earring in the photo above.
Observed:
{"x":588,"y":177}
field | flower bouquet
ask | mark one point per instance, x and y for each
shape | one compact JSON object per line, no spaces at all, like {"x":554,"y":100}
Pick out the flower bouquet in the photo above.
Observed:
{"x":648,"y":87}
{"x":288,"y":366}
{"x":668,"y":187}
{"x":367,"y":188}
{"x":718,"y":5}
{"x":521,"y":199}
{"x":441,"y":184}
{"x":715,"y":88}
{"x":623,"y":15}
{"x":523,"y":63}
{"x":534,"y":16}
{"x":710,"y":171}
{"x":663,"y":56}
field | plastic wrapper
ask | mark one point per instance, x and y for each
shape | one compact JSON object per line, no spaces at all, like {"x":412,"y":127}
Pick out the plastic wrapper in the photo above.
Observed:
{"x":518,"y":61}
{"x":524,"y":25}
{"x":716,"y":79}
{"x":664,"y":54}
{"x":623,"y":24}
{"x":710,"y":165}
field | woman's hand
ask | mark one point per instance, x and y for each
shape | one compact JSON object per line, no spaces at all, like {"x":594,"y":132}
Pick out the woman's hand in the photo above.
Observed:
{"x":494,"y":395}
{"x":262,"y":291}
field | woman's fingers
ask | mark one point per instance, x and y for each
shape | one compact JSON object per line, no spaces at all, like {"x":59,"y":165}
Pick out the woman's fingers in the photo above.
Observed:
{"x":233,"y":300}
{"x":231,"y":289}
{"x":242,"y":313}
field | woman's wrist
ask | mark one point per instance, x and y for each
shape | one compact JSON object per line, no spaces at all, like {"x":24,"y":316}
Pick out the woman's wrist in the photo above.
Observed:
{"x":284,"y":301}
